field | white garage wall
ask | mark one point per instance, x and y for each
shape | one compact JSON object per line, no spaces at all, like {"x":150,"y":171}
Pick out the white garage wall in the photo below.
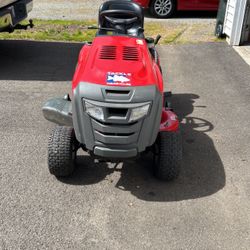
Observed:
{"x":229,"y":17}
{"x":234,"y":18}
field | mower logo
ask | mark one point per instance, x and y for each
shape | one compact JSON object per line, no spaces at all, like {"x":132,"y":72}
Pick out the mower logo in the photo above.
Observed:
{"x":118,"y":78}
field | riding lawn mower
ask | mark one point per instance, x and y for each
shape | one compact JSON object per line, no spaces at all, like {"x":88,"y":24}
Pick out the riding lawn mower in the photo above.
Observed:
{"x":118,"y":109}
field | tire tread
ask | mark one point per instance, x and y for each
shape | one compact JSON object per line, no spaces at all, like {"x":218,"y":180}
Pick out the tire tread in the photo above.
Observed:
{"x":170,"y":155}
{"x":60,"y":147}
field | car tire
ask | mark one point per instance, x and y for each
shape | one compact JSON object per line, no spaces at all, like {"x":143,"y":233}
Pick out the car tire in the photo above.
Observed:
{"x":62,"y":151}
{"x":164,"y":11}
{"x":168,"y":155}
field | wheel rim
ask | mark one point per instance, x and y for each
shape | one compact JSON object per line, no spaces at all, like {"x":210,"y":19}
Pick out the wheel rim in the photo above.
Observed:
{"x":163,"y":7}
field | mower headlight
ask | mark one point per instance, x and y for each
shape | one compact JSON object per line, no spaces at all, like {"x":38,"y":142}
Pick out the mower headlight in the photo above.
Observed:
{"x":138,"y":113}
{"x":94,"y":111}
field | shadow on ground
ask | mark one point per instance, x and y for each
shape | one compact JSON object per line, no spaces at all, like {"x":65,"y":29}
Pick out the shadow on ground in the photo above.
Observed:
{"x":202,"y":171}
{"x":38,"y":61}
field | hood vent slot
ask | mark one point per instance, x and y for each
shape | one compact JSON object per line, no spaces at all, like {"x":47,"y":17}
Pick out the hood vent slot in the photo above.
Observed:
{"x":130,"y":53}
{"x":108,"y":53}
{"x":117,"y":92}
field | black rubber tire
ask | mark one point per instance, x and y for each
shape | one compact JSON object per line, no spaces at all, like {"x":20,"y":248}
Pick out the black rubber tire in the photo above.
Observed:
{"x":219,"y":31}
{"x":155,"y":14}
{"x":62,"y":151}
{"x":168,"y":155}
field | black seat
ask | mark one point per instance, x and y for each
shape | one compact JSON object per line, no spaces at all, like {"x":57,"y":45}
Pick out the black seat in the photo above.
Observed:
{"x":124,"y":17}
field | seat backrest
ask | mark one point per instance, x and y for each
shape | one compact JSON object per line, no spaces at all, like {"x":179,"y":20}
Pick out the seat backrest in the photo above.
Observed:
{"x":132,"y":9}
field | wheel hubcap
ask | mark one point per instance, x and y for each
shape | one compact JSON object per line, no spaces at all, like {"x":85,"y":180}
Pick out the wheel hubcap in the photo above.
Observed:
{"x":163,"y":7}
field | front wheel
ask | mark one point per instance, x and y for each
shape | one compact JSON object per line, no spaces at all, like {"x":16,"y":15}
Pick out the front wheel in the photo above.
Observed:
{"x":168,"y":155}
{"x":62,"y":150}
{"x":162,"y":8}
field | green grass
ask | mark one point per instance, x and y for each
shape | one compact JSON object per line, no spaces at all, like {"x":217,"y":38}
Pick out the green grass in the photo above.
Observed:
{"x":76,"y":31}
{"x":54,"y":30}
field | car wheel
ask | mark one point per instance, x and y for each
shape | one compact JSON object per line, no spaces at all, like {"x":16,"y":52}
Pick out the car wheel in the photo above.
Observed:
{"x":162,"y":8}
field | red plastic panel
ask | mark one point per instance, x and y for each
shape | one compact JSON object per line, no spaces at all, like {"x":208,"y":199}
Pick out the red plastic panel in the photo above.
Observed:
{"x":169,"y":121}
{"x":125,"y":60}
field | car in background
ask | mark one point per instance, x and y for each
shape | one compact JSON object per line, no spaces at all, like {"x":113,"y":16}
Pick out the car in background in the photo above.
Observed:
{"x":12,"y":12}
{"x":166,"y":8}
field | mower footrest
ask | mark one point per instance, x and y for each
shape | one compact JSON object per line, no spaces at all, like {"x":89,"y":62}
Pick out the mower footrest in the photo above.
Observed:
{"x":59,"y":111}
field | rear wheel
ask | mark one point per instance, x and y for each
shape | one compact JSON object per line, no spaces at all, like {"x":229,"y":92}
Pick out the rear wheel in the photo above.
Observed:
{"x":62,"y":150}
{"x":168,"y":155}
{"x":162,"y":8}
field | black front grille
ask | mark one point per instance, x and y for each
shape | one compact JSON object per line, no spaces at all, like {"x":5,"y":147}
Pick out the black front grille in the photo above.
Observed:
{"x":114,"y":124}
{"x":117,"y":112}
{"x":117,"y":92}
{"x":115,"y":134}
{"x":119,"y":134}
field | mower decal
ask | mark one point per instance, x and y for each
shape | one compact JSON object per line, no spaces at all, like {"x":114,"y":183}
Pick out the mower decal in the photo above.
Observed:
{"x":118,"y":78}
{"x":139,"y":42}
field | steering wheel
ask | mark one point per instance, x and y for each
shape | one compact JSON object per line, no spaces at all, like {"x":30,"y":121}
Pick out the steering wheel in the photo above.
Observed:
{"x":119,"y":23}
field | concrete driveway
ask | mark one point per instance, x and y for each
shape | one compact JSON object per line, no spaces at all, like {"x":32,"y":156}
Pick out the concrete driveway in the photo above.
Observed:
{"x":103,"y":207}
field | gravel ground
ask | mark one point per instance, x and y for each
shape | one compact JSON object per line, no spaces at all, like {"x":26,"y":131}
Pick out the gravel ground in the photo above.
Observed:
{"x":100,"y":207}
{"x":82,"y":9}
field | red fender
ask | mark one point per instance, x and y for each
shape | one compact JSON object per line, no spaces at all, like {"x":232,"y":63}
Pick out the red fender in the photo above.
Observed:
{"x":169,"y":121}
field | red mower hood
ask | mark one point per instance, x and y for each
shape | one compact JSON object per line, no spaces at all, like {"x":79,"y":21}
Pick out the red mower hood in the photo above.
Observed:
{"x":116,"y":61}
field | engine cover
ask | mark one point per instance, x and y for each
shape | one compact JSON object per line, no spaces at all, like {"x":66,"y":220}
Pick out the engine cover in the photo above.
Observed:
{"x":117,"y":61}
